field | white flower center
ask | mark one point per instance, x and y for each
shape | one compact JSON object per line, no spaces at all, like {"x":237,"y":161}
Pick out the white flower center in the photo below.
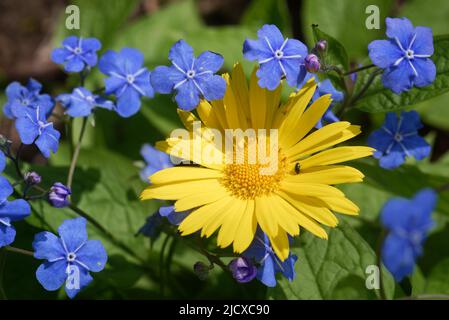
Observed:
{"x":190,"y":74}
{"x":278,"y":54}
{"x":77,"y":50}
{"x":130,"y":78}
{"x":409,"y":54}
{"x":71,"y":257}
{"x":398,"y":137}
{"x":25,"y":102}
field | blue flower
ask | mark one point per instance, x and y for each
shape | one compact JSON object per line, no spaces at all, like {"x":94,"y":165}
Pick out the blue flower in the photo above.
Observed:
{"x":81,"y":102}
{"x":190,"y":77}
{"x":405,"y":56}
{"x":59,"y":195}
{"x":2,"y":161}
{"x":262,"y":253}
{"x":10,"y":211}
{"x":408,"y":223}
{"x":69,"y":258}
{"x":22,"y":99}
{"x":398,"y":138}
{"x":128,"y":79}
{"x":155,"y":160}
{"x":242,"y":269}
{"x":151,"y":227}
{"x":77,"y":53}
{"x":324,"y":87}
{"x":33,"y":128}
{"x":277,"y":57}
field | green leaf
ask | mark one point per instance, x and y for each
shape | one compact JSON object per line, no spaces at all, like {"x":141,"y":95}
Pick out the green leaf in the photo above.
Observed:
{"x":97,"y":19}
{"x":380,"y":99}
{"x":335,"y":54}
{"x":268,"y":12}
{"x":438,"y":281}
{"x":333,"y":268}
{"x":344,"y":20}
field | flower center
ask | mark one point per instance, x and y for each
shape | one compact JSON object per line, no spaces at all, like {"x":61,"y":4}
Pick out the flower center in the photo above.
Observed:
{"x":278,"y":54}
{"x":398,"y":137}
{"x":248,"y":180}
{"x":409,"y":54}
{"x":90,"y":99}
{"x":130,"y":78}
{"x":77,"y":50}
{"x":71,"y":257}
{"x":190,"y":74}
{"x":25,"y":102}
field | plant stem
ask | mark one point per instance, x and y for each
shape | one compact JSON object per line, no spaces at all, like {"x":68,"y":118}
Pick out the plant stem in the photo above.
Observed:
{"x":76,"y":154}
{"x":21,"y":251}
{"x":359,"y":69}
{"x":16,"y":161}
{"x":379,"y":264}
{"x":443,"y":188}
{"x":103,"y":230}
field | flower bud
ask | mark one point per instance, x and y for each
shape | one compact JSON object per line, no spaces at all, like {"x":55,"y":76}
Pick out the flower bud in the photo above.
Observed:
{"x":321,"y":46}
{"x":312,"y":63}
{"x":201,"y":270}
{"x":242,"y":270}
{"x":59,"y":195}
{"x":32,"y":178}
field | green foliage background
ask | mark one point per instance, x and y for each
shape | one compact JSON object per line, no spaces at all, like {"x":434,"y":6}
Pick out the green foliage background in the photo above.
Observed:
{"x":107,"y":184}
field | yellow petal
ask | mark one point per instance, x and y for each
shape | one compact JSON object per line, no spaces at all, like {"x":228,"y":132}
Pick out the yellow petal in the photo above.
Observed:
{"x":183,"y":173}
{"x":265,"y":217}
{"x":314,"y":208}
{"x":280,"y":244}
{"x":234,"y":114}
{"x":246,"y":230}
{"x":341,"y":205}
{"x":318,"y":138}
{"x":273,"y":100}
{"x":200,"y":199}
{"x":178,"y":190}
{"x":207,"y":116}
{"x":257,"y":102}
{"x":231,"y":223}
{"x":327,"y":175}
{"x":239,"y":86}
{"x":279,"y":206}
{"x":288,"y":115}
{"x":214,"y":222}
{"x":197,"y":219}
{"x":309,"y":189}
{"x":336,"y":155}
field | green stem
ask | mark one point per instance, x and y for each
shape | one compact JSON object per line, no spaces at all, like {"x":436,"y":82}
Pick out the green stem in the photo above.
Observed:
{"x":76,"y":154}
{"x":358,"y":69}
{"x":108,"y":234}
{"x":379,"y":264}
{"x":20,"y":251}
{"x":16,"y":161}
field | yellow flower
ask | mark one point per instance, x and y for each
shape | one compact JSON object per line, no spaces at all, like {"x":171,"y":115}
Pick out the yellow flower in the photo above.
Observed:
{"x":237,"y":197}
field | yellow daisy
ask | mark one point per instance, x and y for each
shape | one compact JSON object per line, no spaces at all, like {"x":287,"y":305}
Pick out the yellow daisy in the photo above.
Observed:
{"x":236,"y":197}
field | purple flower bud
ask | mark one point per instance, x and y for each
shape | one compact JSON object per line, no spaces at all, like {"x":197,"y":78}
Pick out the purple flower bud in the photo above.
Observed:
{"x":32,"y":178}
{"x":242,"y":270}
{"x":59,"y":195}
{"x":312,"y":63}
{"x":321,"y":46}
{"x":201,"y":270}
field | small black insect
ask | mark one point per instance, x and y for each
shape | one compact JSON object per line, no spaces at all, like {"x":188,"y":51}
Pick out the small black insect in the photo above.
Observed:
{"x":297,"y":167}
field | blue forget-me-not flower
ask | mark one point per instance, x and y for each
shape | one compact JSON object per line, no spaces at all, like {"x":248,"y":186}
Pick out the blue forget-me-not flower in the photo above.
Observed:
{"x":69,"y":258}
{"x":128,"y":79}
{"x":190,"y":77}
{"x":34,"y":128}
{"x":263,"y":254}
{"x":21,"y":99}
{"x":322,"y":88}
{"x":397,"y":139}
{"x":405,"y":56}
{"x":10,"y":211}
{"x":77,"y":53}
{"x":155,"y":160}
{"x":81,"y":102}
{"x":277,"y":57}
{"x":2,"y":161}
{"x":408,"y":223}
